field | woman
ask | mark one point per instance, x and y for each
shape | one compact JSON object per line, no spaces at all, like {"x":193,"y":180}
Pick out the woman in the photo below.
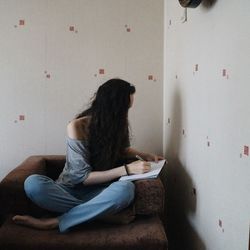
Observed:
{"x":97,"y":148}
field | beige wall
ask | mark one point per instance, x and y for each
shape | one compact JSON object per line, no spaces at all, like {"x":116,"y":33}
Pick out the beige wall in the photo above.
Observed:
{"x":209,"y":124}
{"x":48,"y":72}
{"x":206,"y":114}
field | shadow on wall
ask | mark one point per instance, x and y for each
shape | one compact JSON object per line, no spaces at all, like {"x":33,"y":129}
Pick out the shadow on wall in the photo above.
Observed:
{"x":180,"y":195}
{"x":207,"y":4}
{"x":249,"y":239}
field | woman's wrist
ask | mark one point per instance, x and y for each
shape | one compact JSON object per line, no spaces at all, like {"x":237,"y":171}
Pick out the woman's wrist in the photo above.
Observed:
{"x":122,"y":171}
{"x":126,"y":169}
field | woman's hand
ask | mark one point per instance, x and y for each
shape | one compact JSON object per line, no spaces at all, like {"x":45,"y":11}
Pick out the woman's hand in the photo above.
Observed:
{"x":152,"y":157}
{"x":139,"y":167}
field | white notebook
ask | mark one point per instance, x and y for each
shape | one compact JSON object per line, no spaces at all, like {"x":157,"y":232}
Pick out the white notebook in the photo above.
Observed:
{"x":154,"y":172}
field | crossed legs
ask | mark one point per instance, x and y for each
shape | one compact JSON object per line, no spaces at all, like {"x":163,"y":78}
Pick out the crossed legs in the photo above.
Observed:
{"x":76,"y":205}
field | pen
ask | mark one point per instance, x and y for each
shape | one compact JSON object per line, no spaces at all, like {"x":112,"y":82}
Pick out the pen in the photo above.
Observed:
{"x":139,"y":158}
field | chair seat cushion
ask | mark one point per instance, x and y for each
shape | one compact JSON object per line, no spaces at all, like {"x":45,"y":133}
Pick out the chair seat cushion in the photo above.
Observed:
{"x":143,"y":233}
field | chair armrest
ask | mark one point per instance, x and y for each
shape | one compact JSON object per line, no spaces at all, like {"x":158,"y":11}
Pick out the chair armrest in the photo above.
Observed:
{"x":54,"y":165}
{"x":32,"y":165}
{"x":149,"y":196}
{"x":11,"y":187}
{"x":12,"y":196}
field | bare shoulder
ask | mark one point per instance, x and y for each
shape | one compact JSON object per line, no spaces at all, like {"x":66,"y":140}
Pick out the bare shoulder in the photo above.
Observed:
{"x":78,"y":128}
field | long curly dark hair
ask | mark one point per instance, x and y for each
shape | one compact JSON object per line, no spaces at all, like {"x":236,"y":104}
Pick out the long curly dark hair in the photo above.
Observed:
{"x":108,"y":127}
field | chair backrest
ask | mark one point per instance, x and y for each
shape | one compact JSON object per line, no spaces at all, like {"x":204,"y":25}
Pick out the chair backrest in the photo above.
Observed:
{"x":54,"y":165}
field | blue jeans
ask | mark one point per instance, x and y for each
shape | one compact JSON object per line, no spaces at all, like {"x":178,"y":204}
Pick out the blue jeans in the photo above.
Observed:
{"x":81,"y":203}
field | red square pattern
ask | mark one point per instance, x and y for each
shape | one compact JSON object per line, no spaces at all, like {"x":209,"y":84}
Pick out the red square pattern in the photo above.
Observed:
{"x":101,"y":71}
{"x":246,"y":150}
{"x":21,"y":22}
{"x":21,"y":117}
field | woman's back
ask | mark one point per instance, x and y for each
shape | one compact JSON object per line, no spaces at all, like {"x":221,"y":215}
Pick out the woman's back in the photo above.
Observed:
{"x":78,"y":128}
{"x":76,"y":167}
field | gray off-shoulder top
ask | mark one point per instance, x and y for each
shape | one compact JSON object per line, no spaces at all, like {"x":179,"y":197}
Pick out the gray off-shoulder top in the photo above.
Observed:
{"x":76,"y":168}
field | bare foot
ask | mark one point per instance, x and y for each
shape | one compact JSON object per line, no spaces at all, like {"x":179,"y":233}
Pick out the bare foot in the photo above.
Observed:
{"x":43,"y":223}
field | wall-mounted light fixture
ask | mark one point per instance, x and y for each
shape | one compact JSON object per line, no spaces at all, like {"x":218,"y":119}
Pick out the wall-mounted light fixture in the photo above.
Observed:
{"x":189,"y":3}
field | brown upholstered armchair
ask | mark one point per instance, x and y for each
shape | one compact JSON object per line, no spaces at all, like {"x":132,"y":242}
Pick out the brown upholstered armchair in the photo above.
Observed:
{"x":146,"y":231}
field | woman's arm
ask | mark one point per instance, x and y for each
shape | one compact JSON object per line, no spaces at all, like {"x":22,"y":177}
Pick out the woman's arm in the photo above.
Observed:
{"x":136,"y":167}
{"x":97,"y":177}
